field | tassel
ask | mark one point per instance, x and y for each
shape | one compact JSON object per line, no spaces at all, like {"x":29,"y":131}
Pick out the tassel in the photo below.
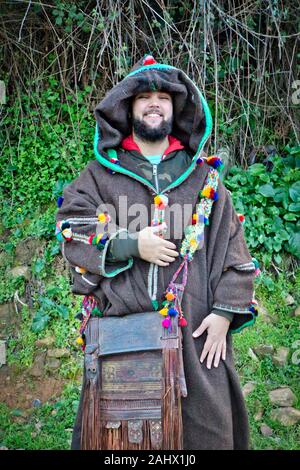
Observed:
{"x":182,"y":322}
{"x":171,"y":409}
{"x":91,"y":415}
{"x":90,"y":436}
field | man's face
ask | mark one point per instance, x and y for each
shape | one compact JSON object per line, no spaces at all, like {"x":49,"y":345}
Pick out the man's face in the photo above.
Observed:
{"x":152,"y":115}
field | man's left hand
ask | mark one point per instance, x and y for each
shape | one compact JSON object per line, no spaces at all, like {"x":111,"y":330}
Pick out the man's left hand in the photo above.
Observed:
{"x":215,"y":344}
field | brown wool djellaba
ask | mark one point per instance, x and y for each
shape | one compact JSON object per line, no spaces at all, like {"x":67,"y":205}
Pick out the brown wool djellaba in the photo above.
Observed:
{"x":220,"y":276}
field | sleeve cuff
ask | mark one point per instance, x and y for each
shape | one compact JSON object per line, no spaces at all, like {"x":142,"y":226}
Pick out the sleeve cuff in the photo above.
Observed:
{"x":110,"y":267}
{"x":121,"y":249}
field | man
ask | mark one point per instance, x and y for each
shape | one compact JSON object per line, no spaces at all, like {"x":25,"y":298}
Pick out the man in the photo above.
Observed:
{"x":152,"y":129}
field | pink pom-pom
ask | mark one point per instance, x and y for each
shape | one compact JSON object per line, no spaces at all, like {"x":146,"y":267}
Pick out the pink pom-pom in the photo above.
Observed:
{"x":166,"y":323}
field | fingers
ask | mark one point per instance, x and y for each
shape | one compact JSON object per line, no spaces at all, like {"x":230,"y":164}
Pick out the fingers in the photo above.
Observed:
{"x":224,"y":350}
{"x":218,"y":354}
{"x":169,"y":252}
{"x":167,"y":258}
{"x":160,"y":263}
{"x":200,"y":329}
{"x":169,"y":245}
{"x":206,"y":348}
{"x":213,"y":351}
{"x":211,"y":355}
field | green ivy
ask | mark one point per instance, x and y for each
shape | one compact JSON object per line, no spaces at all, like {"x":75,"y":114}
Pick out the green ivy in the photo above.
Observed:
{"x":270,"y":202}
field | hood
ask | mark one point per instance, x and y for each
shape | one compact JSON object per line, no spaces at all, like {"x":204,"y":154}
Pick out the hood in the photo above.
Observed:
{"x":192,"y":122}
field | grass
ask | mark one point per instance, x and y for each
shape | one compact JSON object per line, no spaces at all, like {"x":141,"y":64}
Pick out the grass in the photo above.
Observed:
{"x":50,"y":426}
{"x":267,"y":376}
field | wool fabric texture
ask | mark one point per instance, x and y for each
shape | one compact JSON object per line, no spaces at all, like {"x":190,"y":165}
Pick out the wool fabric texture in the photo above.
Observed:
{"x":221,"y":274}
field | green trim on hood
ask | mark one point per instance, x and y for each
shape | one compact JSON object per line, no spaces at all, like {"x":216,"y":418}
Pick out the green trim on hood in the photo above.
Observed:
{"x":208,"y":128}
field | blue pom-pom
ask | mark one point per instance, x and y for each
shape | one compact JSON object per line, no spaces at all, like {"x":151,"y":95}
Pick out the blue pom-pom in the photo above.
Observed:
{"x":59,"y":201}
{"x":172,"y":312}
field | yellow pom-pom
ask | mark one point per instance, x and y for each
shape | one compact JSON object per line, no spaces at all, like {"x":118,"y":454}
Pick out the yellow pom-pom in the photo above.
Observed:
{"x":170,"y":296}
{"x":193,"y":242}
{"x":79,"y":341}
{"x":102,"y":218}
{"x":164,"y":311}
{"x":206,"y":191}
{"x":157,"y":200}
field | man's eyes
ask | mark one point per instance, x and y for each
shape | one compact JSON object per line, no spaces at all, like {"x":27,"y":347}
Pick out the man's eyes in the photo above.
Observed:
{"x":160,"y":97}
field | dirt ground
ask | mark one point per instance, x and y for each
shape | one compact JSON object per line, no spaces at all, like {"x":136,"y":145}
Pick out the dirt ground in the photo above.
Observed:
{"x":18,"y":390}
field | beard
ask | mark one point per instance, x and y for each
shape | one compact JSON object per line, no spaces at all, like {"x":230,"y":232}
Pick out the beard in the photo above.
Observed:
{"x":152,"y":134}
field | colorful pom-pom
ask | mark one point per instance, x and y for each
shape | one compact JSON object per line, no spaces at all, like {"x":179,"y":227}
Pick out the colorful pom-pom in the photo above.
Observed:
{"x":67,"y":234}
{"x":182,"y":322}
{"x":59,"y":201}
{"x":96,"y":312}
{"x":215,"y":162}
{"x":80,"y":341}
{"x":253,"y":309}
{"x":194,"y":219}
{"x":210,"y":193}
{"x":102,"y":217}
{"x":63,"y":231}
{"x":166,"y":323}
{"x":80,"y":270}
{"x":193,"y":243}
{"x":172,"y":312}
{"x":164,"y":311}
{"x":161,"y":201}
{"x":170,"y":296}
{"x":149,"y":60}
{"x":91,"y":238}
{"x":241,"y":218}
{"x":199,"y":161}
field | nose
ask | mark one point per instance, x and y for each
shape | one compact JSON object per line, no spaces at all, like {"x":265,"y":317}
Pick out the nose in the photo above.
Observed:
{"x":154,"y":101}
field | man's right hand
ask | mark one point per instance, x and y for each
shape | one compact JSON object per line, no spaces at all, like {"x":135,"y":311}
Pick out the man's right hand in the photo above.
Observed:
{"x":155,"y":249}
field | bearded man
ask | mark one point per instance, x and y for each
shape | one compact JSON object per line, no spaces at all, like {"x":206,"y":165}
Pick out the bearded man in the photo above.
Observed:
{"x":151,"y":141}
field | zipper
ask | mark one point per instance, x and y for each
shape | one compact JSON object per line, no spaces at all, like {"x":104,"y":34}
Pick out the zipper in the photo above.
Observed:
{"x":121,"y":170}
{"x":155,"y":178}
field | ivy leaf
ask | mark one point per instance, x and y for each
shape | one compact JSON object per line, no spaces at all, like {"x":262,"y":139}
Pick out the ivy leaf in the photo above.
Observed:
{"x":290,"y":217}
{"x":257,"y":169}
{"x":294,"y":192}
{"x":294,"y":244}
{"x":38,"y":265}
{"x":267,"y":190}
{"x":63,"y":311}
{"x":40,"y":321}
{"x":294,"y":207}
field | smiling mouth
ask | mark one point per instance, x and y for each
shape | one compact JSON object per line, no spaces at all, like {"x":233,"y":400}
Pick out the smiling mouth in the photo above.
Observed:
{"x":153,"y":115}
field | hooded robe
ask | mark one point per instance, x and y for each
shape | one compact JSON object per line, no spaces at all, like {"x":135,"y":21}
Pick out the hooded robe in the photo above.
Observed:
{"x":221,"y":274}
